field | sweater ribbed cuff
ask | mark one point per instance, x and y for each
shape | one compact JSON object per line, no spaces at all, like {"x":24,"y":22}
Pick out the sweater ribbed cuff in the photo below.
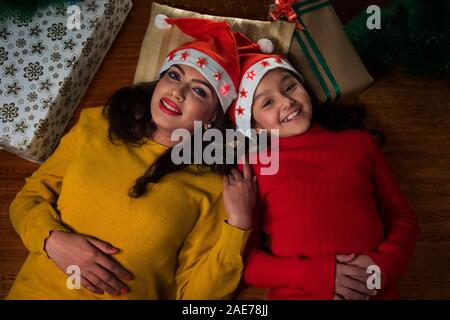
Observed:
{"x":38,"y":230}
{"x":232,"y":239}
{"x":387,"y":267}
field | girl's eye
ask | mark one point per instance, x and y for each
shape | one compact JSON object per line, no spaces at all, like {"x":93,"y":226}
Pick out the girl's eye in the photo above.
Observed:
{"x":290,"y":87}
{"x":173,"y":75}
{"x":200,"y":92}
{"x":267,"y":103}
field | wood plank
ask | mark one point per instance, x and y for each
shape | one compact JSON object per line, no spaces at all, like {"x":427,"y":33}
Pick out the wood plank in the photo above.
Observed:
{"x":413,"y":113}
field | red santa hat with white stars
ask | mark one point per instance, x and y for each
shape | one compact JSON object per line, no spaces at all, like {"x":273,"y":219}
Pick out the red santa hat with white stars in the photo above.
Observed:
{"x":213,"y":53}
{"x":254,"y":65}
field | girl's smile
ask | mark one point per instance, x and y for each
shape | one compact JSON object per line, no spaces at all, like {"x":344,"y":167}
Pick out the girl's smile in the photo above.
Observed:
{"x":281,"y":102}
{"x":294,"y":115}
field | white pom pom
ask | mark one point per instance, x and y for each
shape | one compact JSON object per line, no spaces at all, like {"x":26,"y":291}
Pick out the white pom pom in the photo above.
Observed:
{"x":265,"y":45}
{"x":161,"y":23}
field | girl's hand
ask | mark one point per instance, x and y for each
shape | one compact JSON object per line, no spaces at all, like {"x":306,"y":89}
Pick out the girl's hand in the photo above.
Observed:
{"x":239,"y":197}
{"x":99,"y":272}
{"x":364,"y":261}
{"x":351,"y":280}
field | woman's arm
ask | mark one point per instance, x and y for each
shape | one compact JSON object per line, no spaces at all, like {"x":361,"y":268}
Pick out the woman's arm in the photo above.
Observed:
{"x":210,"y":262}
{"x":34,"y":217}
{"x":32,"y":212}
{"x":399,"y":220}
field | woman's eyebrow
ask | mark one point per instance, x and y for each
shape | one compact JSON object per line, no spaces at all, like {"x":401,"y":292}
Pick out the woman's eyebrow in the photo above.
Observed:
{"x":195,"y":80}
{"x":204,"y":83}
{"x":179,"y":68}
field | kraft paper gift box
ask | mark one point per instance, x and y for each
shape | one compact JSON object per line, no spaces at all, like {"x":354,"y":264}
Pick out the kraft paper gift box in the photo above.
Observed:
{"x":323,"y":53}
{"x":46,"y":68}
{"x":158,"y":43}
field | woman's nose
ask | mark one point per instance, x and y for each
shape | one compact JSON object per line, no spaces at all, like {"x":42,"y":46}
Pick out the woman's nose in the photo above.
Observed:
{"x":177,"y":94}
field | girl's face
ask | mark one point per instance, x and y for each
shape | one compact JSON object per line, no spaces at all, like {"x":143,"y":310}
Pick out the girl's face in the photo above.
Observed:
{"x":182,"y":96}
{"x":281,"y":102}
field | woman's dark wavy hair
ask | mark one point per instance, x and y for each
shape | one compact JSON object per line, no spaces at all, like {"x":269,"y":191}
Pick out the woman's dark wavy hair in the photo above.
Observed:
{"x":130,"y":122}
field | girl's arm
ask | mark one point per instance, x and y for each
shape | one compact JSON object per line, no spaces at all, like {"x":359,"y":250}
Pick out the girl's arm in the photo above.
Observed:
{"x":264,"y":270}
{"x":210,"y":262}
{"x":399,"y":220}
{"x":32,"y":212}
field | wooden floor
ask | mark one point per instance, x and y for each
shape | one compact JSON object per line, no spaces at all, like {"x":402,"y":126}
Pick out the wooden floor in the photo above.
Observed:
{"x":414,"y":114}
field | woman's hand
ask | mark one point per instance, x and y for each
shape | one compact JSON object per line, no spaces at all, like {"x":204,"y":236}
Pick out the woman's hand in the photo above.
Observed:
{"x":239,"y":197}
{"x":99,"y":272}
{"x":351,"y":279}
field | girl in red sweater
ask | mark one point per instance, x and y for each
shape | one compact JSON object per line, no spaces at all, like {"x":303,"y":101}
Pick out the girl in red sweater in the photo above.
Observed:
{"x":333,"y":208}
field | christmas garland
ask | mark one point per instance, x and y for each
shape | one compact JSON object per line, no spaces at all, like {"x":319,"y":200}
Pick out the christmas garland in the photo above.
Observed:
{"x":25,"y":9}
{"x":414,"y":34}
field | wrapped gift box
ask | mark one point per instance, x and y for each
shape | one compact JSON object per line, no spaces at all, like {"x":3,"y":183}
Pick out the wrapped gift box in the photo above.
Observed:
{"x":321,"y":50}
{"x":46,"y":67}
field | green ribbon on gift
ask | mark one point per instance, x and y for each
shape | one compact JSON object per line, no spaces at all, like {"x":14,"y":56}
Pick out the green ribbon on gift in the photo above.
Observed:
{"x":313,"y":5}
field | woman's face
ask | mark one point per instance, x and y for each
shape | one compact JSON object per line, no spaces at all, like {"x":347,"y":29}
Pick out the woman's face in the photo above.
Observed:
{"x":182,"y":96}
{"x":281,"y":102}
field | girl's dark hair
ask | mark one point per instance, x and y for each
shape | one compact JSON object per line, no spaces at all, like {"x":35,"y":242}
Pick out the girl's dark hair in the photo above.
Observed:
{"x":335,"y":117}
{"x":130,"y":122}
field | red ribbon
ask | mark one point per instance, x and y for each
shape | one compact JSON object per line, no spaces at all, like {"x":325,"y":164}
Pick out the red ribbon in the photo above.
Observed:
{"x":284,"y":8}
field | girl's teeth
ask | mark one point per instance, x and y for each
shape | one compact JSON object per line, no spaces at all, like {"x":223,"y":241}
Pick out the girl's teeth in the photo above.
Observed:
{"x":292,"y":115}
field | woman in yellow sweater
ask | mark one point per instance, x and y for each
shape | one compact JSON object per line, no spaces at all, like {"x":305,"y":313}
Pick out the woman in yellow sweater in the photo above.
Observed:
{"x":169,"y":234}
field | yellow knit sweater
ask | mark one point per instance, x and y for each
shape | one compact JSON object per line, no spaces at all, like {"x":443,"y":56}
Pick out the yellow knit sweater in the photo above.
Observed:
{"x":174,"y":239}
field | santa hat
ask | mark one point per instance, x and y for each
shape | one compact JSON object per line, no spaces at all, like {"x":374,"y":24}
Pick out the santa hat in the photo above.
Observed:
{"x":254,"y":65}
{"x":213,"y":53}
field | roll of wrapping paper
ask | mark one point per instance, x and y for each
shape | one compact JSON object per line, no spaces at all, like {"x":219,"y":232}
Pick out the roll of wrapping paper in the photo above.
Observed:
{"x":322,"y":52}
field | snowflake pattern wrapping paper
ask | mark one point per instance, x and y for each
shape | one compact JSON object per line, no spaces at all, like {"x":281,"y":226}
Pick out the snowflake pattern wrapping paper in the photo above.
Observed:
{"x":46,"y":68}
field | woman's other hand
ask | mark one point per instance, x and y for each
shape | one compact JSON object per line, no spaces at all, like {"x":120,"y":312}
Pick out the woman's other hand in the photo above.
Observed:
{"x":99,"y":271}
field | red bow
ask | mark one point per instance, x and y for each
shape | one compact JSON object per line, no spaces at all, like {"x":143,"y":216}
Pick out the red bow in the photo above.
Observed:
{"x":284,"y":7}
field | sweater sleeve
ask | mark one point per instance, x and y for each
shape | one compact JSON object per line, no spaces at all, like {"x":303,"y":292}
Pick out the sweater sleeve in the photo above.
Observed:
{"x":210,"y":263}
{"x":398,"y":219}
{"x":32,"y":212}
{"x":265,"y":270}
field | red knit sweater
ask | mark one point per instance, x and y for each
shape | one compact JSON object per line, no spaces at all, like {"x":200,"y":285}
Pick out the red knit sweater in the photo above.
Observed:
{"x":333,"y":194}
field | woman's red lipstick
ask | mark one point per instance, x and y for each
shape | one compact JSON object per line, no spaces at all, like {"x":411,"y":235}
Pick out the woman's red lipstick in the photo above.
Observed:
{"x":169,"y":107}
